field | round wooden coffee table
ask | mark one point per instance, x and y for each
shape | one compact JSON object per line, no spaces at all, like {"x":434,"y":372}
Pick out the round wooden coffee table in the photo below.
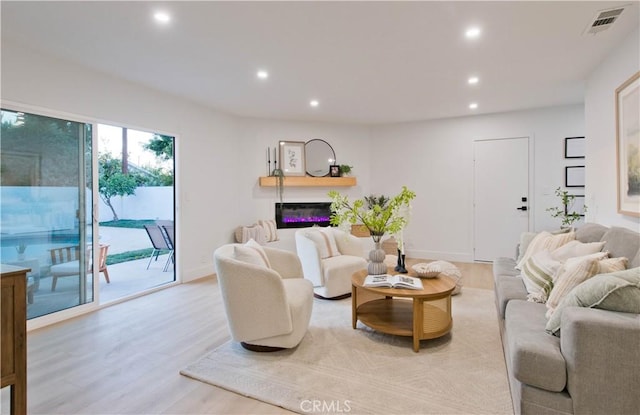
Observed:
{"x":421,"y":314}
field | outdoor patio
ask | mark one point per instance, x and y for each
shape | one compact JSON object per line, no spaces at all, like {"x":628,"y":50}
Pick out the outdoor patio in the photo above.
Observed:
{"x":127,"y":278}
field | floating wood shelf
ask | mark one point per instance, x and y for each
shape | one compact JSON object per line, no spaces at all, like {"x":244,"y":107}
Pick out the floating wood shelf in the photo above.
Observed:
{"x":308,"y":181}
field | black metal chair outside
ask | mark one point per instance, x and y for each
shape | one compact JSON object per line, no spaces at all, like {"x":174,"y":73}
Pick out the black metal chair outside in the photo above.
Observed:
{"x":159,"y":242}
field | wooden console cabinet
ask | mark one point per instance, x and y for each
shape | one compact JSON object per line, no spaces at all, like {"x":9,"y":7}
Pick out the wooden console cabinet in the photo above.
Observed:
{"x":13,"y":350}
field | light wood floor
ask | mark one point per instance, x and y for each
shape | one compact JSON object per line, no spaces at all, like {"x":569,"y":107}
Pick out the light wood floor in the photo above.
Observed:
{"x":125,"y":359}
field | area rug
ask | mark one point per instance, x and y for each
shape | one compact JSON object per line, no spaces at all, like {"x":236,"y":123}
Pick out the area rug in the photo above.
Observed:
{"x":336,"y":369}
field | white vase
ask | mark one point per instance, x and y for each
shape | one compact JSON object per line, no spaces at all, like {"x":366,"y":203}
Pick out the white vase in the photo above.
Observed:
{"x":377,"y":265}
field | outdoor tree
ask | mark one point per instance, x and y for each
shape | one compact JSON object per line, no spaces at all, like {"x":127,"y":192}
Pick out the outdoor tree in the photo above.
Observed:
{"x":161,"y":145}
{"x":112,"y":182}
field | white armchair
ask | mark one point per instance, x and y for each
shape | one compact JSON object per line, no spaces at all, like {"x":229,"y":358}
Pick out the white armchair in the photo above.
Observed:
{"x":268,"y":308}
{"x":328,"y":270}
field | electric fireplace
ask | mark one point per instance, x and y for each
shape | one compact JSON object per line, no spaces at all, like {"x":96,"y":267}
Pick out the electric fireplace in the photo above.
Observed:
{"x":302,"y":215}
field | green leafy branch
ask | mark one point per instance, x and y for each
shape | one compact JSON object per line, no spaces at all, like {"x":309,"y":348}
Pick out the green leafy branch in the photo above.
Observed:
{"x":379,"y":215}
{"x":565,"y":211}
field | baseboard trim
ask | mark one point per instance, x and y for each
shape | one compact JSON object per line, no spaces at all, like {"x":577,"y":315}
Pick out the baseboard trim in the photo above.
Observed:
{"x":444,"y":256}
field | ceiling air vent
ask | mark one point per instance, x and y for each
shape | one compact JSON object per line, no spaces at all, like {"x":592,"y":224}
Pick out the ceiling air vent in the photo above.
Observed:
{"x":603,"y":20}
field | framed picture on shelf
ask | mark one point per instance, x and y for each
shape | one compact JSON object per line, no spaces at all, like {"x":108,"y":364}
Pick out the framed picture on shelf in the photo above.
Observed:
{"x":574,"y":147}
{"x":574,"y":176}
{"x":292,"y":158}
{"x":334,"y":170}
{"x":628,"y":153}
{"x":578,"y":205}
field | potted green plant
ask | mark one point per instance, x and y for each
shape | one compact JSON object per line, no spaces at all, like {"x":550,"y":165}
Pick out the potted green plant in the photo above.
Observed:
{"x":565,"y":211}
{"x":345,"y":169}
{"x":20,"y":248}
{"x":379,"y":214}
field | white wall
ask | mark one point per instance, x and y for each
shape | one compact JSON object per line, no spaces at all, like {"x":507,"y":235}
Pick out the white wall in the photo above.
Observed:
{"x":601,"y":196}
{"x":350,"y":144}
{"x":435,"y":159}
{"x":206,"y":190}
{"x":218,"y":157}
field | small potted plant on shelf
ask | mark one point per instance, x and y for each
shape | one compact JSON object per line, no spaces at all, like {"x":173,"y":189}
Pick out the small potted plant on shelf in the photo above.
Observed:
{"x":345,"y":170}
{"x":565,"y":211}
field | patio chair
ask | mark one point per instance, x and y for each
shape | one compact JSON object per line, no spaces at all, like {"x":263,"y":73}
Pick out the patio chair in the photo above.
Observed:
{"x":65,"y":262}
{"x":168,"y":233}
{"x":160,"y":243}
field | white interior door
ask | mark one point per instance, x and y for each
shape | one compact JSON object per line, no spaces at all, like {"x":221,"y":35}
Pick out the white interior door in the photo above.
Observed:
{"x":501,"y":196}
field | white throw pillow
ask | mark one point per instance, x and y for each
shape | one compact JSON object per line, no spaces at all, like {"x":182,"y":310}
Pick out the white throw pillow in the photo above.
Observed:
{"x":325,"y":242}
{"x":537,"y":274}
{"x":575,"y":249}
{"x":545,"y":240}
{"x":572,"y":274}
{"x":270,"y":229}
{"x":251,"y":253}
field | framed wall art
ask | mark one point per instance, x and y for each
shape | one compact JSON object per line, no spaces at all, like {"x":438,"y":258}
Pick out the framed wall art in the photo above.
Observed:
{"x":577,"y":206}
{"x":574,"y":147}
{"x":292,"y":158}
{"x":574,"y":176}
{"x":628,"y":146}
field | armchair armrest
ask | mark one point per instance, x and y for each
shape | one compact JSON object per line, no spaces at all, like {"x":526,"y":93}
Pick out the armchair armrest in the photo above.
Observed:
{"x":285,"y":263}
{"x":310,"y":259}
{"x":603,"y":363}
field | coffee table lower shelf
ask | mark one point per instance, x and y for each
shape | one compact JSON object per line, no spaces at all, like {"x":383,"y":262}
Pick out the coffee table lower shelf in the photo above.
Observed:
{"x":395,"y":316}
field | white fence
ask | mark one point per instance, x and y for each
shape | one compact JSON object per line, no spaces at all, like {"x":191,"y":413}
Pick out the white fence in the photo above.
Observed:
{"x":148,"y":203}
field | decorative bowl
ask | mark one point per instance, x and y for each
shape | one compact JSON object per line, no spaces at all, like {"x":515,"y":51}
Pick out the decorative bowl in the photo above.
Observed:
{"x":423,"y":270}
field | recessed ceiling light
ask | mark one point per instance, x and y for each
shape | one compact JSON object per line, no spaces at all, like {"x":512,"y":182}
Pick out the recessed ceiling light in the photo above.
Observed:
{"x":314,"y":103}
{"x":472,"y":32}
{"x":473,"y":105}
{"x":262,"y":74}
{"x":473,"y":80}
{"x":162,"y":17}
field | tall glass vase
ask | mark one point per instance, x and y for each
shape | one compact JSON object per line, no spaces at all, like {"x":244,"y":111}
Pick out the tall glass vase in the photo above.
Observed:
{"x":376,"y":258}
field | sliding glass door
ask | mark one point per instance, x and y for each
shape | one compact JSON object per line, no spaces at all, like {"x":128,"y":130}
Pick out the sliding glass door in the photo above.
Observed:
{"x":46,"y":208}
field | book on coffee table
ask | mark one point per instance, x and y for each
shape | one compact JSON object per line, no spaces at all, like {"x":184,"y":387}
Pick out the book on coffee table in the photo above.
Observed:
{"x":393,"y":281}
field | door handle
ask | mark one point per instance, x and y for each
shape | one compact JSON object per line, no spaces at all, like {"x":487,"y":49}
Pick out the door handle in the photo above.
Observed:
{"x":522,"y":208}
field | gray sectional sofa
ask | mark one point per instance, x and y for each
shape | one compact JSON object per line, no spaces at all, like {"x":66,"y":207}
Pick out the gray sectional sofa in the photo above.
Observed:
{"x":594,"y":366}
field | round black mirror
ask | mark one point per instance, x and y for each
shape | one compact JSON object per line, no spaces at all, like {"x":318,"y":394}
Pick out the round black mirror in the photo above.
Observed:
{"x":319,"y":155}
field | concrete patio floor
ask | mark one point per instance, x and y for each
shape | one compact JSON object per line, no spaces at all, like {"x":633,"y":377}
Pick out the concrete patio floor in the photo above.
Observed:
{"x":127,"y":278}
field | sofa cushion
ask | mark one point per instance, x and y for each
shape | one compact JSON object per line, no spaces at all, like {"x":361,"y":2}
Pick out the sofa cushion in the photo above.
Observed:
{"x":525,"y":240}
{"x":621,"y":242}
{"x":535,"y":356}
{"x":507,"y":288}
{"x":616,"y":291}
{"x":505,"y":266}
{"x":591,"y":232}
